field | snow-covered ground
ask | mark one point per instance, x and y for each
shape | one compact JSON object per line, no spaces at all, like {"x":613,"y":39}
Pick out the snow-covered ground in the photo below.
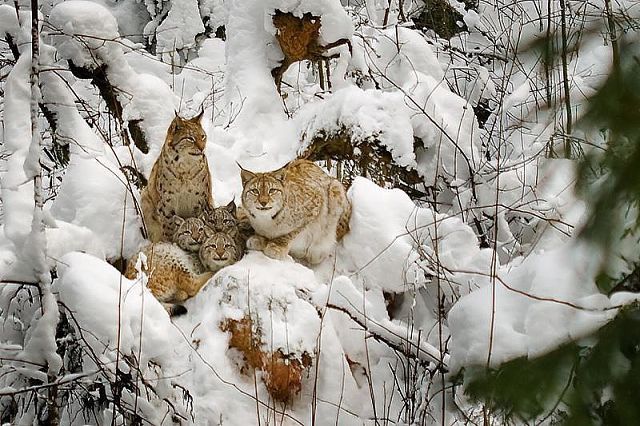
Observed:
{"x":409,"y":282}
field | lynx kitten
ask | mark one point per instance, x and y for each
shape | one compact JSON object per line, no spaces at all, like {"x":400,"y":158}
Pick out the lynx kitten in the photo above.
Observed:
{"x":222,"y":219}
{"x":297,"y":209}
{"x":191,"y":233}
{"x":220,"y":250}
{"x":231,"y":220}
{"x":180,"y":183}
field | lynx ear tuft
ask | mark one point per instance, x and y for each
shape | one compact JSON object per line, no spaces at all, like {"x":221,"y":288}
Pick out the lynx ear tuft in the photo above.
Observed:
{"x":245,"y":175}
{"x":177,"y":121}
{"x":231,"y":207}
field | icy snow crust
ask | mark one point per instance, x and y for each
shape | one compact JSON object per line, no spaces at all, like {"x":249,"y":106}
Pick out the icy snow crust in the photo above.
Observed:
{"x":542,"y":297}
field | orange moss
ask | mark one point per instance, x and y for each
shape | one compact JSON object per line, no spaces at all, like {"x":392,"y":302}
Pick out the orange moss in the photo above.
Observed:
{"x":298,"y":39}
{"x":283,"y":373}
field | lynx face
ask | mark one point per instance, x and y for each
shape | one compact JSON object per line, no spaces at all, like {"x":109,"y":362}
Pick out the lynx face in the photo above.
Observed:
{"x":222,"y":219}
{"x":219,"y":250}
{"x":190,"y":233}
{"x":263,"y":193}
{"x":186,"y":138}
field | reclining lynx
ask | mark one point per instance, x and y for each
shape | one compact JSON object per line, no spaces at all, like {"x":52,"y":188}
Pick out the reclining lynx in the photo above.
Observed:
{"x":180,"y":183}
{"x":178,"y":270}
{"x":174,"y":274}
{"x":297,"y":209}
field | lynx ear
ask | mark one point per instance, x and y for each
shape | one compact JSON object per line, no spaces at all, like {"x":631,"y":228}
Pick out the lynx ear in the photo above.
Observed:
{"x":245,"y":175}
{"x":208,"y":232}
{"x":177,"y":120}
{"x":198,"y":117}
{"x":231,"y":207}
{"x":279,"y":174}
{"x":177,"y":220}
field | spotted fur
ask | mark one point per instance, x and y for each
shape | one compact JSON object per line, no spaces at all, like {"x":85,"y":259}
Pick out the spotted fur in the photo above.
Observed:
{"x":180,"y":182}
{"x":174,"y":275}
{"x":220,"y":250}
{"x":191,"y":233}
{"x":298,"y":210}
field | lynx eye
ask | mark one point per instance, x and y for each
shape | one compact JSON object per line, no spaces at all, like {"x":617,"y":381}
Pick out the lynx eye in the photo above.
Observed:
{"x":274,"y":191}
{"x":254,"y":191}
{"x":228,"y":222}
{"x":227,"y":246}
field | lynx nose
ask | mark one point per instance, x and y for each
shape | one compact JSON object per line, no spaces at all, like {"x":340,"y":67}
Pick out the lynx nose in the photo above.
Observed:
{"x":220,"y":251}
{"x":263,"y":203}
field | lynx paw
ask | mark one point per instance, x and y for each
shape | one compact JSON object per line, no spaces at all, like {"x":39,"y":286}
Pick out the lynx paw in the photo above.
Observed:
{"x":275,"y":251}
{"x":256,"y":242}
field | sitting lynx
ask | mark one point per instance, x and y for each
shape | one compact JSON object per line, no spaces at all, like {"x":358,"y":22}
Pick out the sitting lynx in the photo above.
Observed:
{"x":180,"y":183}
{"x":174,"y":274}
{"x":297,"y":209}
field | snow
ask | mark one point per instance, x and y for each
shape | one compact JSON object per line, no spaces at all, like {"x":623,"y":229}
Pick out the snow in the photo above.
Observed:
{"x":8,"y":21}
{"x":82,"y":18}
{"x":93,"y":42}
{"x":119,"y":315}
{"x":95,"y":197}
{"x":410,"y":272}
{"x":388,"y":258}
{"x":93,"y":302}
{"x":254,"y":109}
{"x":247,"y":288}
{"x":17,"y":189}
{"x":444,"y":122}
{"x":369,"y":115}
{"x":529,"y":303}
{"x":180,"y":27}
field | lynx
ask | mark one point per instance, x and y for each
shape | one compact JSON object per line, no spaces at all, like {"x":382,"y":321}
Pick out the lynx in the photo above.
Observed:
{"x":174,"y":274}
{"x":190,"y":233}
{"x":220,"y":250}
{"x":297,"y":209}
{"x":180,"y":182}
{"x":231,"y":220}
{"x":222,"y":219}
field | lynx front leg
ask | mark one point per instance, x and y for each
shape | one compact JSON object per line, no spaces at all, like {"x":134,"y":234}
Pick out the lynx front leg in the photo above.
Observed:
{"x":278,"y":248}
{"x":151,"y":222}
